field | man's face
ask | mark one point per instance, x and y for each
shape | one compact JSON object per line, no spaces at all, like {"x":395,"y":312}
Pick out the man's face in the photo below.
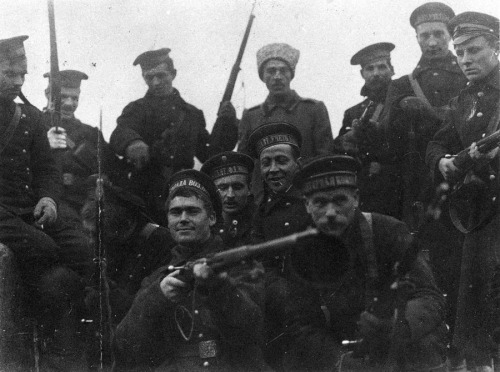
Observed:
{"x":277,"y":76}
{"x":278,"y":166}
{"x":476,"y":58}
{"x":12,"y":78}
{"x":377,"y":74}
{"x":433,"y":38}
{"x":234,"y":192}
{"x":188,"y":220}
{"x":69,"y":102}
{"x":333,"y":211}
{"x":159,"y":79}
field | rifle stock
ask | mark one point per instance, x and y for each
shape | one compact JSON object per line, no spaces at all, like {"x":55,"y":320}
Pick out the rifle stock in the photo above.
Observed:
{"x":228,"y":93}
{"x":463,"y":161}
{"x":232,"y":257}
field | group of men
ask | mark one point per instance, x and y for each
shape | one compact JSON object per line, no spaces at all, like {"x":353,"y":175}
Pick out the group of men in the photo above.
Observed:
{"x":359,"y":292}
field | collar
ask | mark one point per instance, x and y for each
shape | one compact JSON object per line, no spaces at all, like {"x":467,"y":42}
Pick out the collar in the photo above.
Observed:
{"x":288,"y":103}
{"x":448,"y":63}
{"x":181,"y":253}
{"x":375,"y":96}
{"x":492,"y":80}
{"x":174,"y":96}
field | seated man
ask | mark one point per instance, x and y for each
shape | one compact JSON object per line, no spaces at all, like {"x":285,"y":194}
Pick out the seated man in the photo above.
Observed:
{"x":373,"y":290}
{"x":231,"y":172}
{"x":177,"y":323}
{"x":54,"y":260}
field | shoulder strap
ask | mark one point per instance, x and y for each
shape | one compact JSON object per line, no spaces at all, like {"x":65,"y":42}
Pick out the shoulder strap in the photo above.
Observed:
{"x":418,"y":90}
{"x":377,"y":112}
{"x":494,"y":121}
{"x":366,"y":227}
{"x":9,"y":132}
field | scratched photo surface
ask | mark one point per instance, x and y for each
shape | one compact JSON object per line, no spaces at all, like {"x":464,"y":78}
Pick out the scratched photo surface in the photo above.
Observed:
{"x":102,"y":38}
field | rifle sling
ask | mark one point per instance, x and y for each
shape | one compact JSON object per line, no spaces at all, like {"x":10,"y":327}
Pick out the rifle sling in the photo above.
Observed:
{"x":418,"y":90}
{"x":9,"y":131}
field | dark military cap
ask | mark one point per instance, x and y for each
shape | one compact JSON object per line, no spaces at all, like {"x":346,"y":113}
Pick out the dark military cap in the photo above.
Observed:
{"x":193,"y":179}
{"x":70,"y":78}
{"x":228,"y":163}
{"x":271,"y":134}
{"x":431,"y":12}
{"x":327,"y":172}
{"x":153,"y":58}
{"x":372,"y":53}
{"x":468,"y":25}
{"x":13,"y":48}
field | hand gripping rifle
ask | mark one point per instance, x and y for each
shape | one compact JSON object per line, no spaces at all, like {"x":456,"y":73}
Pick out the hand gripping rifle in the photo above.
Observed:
{"x":228,"y":93}
{"x":223,"y":260}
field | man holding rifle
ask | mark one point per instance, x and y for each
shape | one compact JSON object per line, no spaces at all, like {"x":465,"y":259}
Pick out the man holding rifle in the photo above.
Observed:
{"x":194,"y":319}
{"x":160,"y":134}
{"x":474,"y":116}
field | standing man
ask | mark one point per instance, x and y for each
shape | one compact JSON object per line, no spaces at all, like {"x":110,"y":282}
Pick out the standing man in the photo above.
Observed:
{"x":377,"y":293}
{"x":416,"y":104}
{"x":362,"y":136}
{"x":276,"y":66}
{"x":74,"y":146}
{"x":231,"y":173}
{"x":212,"y":321}
{"x":160,"y":134}
{"x":53,"y":259}
{"x":474,"y":115}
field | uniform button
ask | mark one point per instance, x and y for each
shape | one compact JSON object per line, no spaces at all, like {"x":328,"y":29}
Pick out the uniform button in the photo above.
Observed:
{"x":26,"y":187}
{"x":221,"y":231}
{"x":287,"y":224}
{"x":454,"y":62}
{"x":288,"y":204}
{"x":200,"y":335}
{"x":27,"y":169}
{"x":196,"y":312}
{"x":23,"y":116}
{"x":480,"y":94}
{"x":139,"y":255}
{"x":206,"y":364}
{"x":235,"y":222}
{"x":483,"y":135}
{"x":171,"y":156}
{"x":26,"y":132}
{"x":24,"y":151}
{"x":435,"y":74}
{"x":479,"y":114}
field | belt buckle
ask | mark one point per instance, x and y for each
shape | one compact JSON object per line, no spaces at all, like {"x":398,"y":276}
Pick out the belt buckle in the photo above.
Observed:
{"x":208,"y":349}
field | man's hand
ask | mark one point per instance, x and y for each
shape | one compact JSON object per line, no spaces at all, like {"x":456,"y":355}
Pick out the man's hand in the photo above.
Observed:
{"x":57,"y":138}
{"x":172,"y":287}
{"x":205,"y":276}
{"x":138,"y":154}
{"x":226,"y":110}
{"x":45,"y":212}
{"x":476,"y":155}
{"x":447,"y":168}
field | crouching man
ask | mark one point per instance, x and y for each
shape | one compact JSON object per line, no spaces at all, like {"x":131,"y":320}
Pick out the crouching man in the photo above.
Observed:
{"x":212,"y":321}
{"x":372,"y":292}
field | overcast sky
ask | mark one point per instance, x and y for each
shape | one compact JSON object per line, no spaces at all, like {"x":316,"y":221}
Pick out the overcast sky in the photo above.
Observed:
{"x":103,"y":37}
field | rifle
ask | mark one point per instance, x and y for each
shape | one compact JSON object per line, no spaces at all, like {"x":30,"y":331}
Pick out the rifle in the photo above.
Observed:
{"x":464,"y":162}
{"x":55,"y":78}
{"x":236,"y":67}
{"x":232,"y":257}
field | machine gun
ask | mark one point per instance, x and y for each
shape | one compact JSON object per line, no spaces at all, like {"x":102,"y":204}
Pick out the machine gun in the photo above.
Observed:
{"x":232,"y":257}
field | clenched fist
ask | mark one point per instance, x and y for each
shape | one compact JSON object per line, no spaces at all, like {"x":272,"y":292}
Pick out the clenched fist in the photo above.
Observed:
{"x":138,"y":154}
{"x":45,"y":212}
{"x":57,"y":138}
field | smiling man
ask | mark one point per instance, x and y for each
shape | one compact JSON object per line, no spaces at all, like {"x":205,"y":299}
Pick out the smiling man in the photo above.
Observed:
{"x":276,"y":65}
{"x":395,"y":318}
{"x":474,"y":115}
{"x":160,"y":134}
{"x":212,"y":321}
{"x":231,"y":172}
